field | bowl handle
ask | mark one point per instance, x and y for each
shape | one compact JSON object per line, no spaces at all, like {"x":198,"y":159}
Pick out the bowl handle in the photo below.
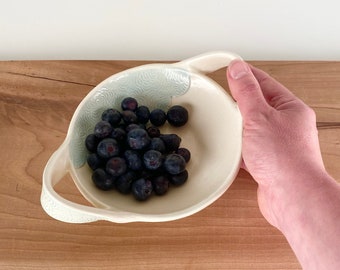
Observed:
{"x":208,"y":62}
{"x":64,"y":210}
{"x":55,"y":205}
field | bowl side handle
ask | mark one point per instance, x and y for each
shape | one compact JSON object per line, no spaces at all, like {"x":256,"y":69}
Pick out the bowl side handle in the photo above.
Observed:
{"x":208,"y":62}
{"x":55,"y":205}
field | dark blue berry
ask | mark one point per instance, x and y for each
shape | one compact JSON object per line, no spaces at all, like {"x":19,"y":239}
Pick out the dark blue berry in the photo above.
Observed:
{"x":141,"y":189}
{"x":153,"y":131}
{"x":102,"y":129}
{"x":129,"y":117}
{"x":91,"y":142}
{"x":157,"y":117}
{"x":132,"y":126}
{"x":172,"y":141}
{"x":129,"y":103}
{"x":143,"y":114}
{"x":116,"y":166}
{"x":127,"y":155}
{"x":94,"y":161}
{"x":118,"y":134}
{"x":160,"y":184}
{"x":174,"y":164}
{"x":123,"y":183}
{"x":112,"y":116}
{"x":179,"y":179}
{"x":157,"y":144}
{"x":102,"y":179}
{"x":152,"y":159}
{"x":185,"y":153}
{"x":138,"y":138}
{"x":108,"y":148}
{"x":177,"y":116}
{"x":133,"y":160}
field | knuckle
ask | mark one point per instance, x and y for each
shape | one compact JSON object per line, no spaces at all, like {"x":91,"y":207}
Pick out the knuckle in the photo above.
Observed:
{"x":310,"y":113}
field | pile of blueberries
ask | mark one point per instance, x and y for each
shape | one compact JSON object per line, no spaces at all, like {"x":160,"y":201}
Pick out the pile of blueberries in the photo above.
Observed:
{"x":127,"y":151}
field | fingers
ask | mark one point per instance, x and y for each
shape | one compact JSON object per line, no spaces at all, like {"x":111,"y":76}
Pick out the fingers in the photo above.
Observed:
{"x":245,"y":89}
{"x":255,"y":91}
{"x":274,"y":92}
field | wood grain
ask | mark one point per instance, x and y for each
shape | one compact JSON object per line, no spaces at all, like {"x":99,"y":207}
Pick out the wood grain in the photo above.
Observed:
{"x":37,"y":100}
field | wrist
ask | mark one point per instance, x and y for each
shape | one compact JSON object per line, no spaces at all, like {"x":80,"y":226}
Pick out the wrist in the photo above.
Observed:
{"x":308,"y":215}
{"x":291,"y":199}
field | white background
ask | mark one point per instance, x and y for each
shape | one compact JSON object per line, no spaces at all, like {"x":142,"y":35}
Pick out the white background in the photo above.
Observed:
{"x":169,"y":30}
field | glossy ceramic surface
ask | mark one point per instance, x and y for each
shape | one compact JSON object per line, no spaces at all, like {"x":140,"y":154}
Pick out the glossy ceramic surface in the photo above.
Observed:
{"x":213,"y":135}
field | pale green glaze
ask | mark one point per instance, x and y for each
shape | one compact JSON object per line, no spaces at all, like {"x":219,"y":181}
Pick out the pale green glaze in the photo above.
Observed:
{"x":152,"y":87}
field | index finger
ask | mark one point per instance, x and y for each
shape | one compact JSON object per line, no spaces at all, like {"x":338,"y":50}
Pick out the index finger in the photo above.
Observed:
{"x":274,"y":92}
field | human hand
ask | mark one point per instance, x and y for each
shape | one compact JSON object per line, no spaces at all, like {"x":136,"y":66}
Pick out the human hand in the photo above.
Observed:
{"x":280,"y":139}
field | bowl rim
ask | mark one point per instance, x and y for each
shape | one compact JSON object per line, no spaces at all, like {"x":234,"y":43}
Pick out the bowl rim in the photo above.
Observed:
{"x":97,"y":213}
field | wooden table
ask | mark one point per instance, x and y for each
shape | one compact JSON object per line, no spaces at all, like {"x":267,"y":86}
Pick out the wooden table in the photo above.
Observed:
{"x":37,"y":100}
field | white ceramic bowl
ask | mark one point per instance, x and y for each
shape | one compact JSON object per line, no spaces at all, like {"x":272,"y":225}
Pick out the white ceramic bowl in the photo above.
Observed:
{"x":213,"y":135}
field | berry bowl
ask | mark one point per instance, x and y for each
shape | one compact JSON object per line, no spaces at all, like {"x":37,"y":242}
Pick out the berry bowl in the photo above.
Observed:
{"x":213,"y":134}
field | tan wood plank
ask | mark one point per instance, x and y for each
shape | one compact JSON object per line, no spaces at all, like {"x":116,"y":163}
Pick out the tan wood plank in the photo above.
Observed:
{"x":37,"y":100}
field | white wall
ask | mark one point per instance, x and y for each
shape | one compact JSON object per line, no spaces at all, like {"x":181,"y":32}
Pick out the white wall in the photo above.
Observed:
{"x":169,"y":30}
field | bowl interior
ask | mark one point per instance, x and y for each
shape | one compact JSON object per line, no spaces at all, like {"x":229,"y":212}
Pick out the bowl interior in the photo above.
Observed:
{"x":213,"y":135}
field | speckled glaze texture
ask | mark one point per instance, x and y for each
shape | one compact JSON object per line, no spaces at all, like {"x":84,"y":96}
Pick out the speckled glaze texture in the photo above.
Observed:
{"x":152,"y":87}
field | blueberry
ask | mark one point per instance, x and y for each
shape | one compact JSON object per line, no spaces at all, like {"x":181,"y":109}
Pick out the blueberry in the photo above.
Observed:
{"x":157,"y":117}
{"x":129,"y":103}
{"x":94,"y":161}
{"x":102,"y":179}
{"x":185,"y":153}
{"x":141,"y":189}
{"x":179,"y":179}
{"x":143,"y":114}
{"x":108,"y":148}
{"x":153,"y":131}
{"x":172,"y":141}
{"x":177,"y":116}
{"x":174,"y":164}
{"x":123,"y":183}
{"x":112,"y":116}
{"x":129,"y":117}
{"x":116,"y":166}
{"x":118,"y":134}
{"x":138,"y":138}
{"x":91,"y":142}
{"x":127,"y":155}
{"x":160,"y":184}
{"x":102,"y":129}
{"x":133,"y":160}
{"x":152,"y":159}
{"x":157,"y":144}
{"x":133,"y":125}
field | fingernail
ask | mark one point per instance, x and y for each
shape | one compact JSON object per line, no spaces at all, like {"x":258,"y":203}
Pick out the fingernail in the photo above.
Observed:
{"x":238,"y":69}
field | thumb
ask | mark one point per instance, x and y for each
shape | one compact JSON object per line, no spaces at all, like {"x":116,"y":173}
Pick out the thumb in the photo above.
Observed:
{"x":245,"y":89}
